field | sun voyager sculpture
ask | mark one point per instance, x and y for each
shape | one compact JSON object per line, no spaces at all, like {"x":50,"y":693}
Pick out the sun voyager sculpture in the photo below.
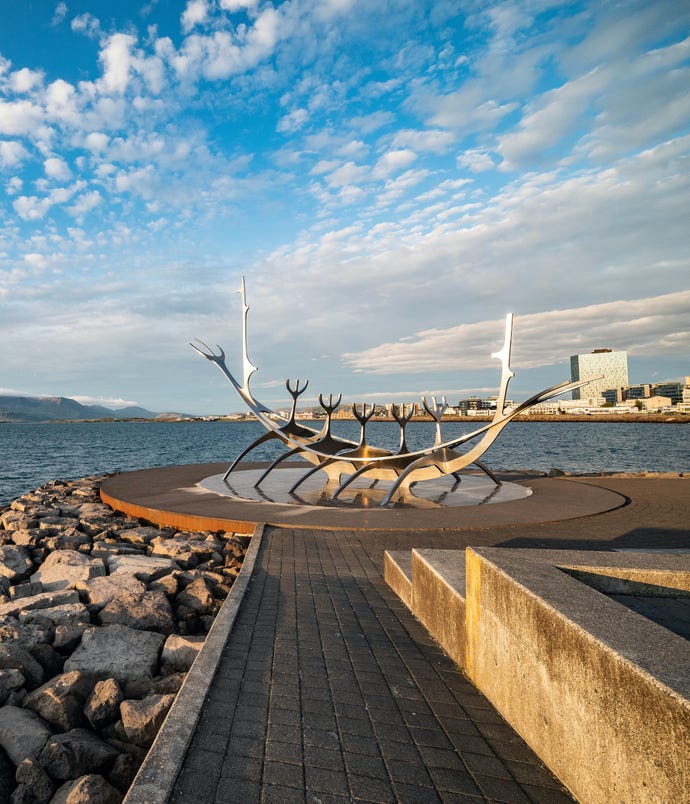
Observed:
{"x":343,"y":460}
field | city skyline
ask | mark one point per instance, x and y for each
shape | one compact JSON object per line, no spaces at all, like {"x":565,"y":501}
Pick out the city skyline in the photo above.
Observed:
{"x":391,"y":177}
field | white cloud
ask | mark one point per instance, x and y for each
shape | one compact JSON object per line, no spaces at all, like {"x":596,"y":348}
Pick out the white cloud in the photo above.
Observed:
{"x":293,"y":121}
{"x":14,"y":185}
{"x":556,"y":116}
{"x":107,"y":402}
{"x":56,"y":168}
{"x":84,"y":204}
{"x":31,"y":208}
{"x":475,"y":160}
{"x":649,"y":326}
{"x":372,"y":122}
{"x":86,"y":24}
{"x":35,"y":260}
{"x":393,"y":161}
{"x":237,"y":5}
{"x":19,"y":118}
{"x":433,"y":140}
{"x":12,"y":154}
{"x":348,"y":174}
{"x":196,"y":13}
{"x":25,"y":80}
{"x":96,"y":141}
{"x":61,"y":102}
{"x":116,"y":58}
{"x":60,"y":13}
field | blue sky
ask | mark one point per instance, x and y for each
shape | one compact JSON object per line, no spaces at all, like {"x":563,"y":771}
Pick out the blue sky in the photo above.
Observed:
{"x":391,"y":176}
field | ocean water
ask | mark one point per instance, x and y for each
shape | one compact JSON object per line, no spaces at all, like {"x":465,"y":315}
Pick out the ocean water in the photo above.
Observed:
{"x":32,"y":454}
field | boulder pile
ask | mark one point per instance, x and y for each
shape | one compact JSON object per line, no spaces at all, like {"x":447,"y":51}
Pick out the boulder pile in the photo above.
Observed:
{"x":101,"y":615}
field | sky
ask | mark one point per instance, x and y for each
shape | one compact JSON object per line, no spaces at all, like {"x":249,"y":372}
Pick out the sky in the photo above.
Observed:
{"x":391,"y":177}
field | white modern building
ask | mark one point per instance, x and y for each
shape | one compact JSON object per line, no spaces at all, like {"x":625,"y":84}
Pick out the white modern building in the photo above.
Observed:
{"x":612,"y":366}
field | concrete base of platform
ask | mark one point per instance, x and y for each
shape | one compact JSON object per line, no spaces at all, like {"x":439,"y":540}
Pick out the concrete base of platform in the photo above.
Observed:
{"x":173,"y":496}
{"x":599,"y":692}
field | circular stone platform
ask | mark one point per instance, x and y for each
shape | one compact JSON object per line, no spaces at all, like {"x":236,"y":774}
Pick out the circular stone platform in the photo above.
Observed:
{"x":179,"y":496}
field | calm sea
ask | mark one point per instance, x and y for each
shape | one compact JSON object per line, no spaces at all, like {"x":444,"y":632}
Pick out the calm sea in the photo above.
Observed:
{"x":32,"y":454}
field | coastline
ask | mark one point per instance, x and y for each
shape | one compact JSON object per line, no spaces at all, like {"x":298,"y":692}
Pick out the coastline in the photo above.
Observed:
{"x":632,"y":418}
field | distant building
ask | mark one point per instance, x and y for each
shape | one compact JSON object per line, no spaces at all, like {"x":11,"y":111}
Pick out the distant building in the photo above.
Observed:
{"x":613,"y":366}
{"x":673,"y":390}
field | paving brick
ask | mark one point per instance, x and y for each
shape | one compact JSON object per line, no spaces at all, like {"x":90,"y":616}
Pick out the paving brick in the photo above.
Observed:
{"x":321,"y":757}
{"x":501,"y":789}
{"x":283,"y":773}
{"x":284,"y":752}
{"x":328,"y":690}
{"x":327,"y":781}
{"x":364,"y":788}
{"x":280,"y":794}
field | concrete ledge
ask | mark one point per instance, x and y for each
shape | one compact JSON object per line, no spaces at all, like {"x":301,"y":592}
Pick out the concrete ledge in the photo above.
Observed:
{"x":601,"y":693}
{"x":397,"y":573}
{"x":155,"y":780}
{"x":438,"y":597}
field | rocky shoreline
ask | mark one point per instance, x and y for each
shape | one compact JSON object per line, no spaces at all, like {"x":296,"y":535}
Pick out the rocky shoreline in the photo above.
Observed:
{"x":101,"y":616}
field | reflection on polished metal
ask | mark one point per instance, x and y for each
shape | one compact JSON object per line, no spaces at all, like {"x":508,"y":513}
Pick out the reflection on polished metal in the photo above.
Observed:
{"x":345,"y":461}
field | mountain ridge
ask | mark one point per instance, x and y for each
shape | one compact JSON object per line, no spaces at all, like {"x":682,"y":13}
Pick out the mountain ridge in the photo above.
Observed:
{"x":52,"y":408}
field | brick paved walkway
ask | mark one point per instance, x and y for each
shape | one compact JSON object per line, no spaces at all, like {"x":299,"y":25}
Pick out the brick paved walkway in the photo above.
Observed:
{"x":330,"y":691}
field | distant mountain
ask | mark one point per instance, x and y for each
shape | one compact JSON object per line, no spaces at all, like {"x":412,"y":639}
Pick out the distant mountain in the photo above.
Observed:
{"x":50,"y":408}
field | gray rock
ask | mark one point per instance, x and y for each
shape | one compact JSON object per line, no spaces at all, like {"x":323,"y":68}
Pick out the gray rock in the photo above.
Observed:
{"x":103,"y":706}
{"x":63,"y":569}
{"x":56,"y":522}
{"x":142,"y":719}
{"x":34,"y":786}
{"x":139,"y":535}
{"x":27,"y":634}
{"x":7,"y":780}
{"x":68,"y":539}
{"x":13,"y":655}
{"x":25,"y":590}
{"x":145,"y":568}
{"x":15,"y":563}
{"x":50,"y":660}
{"x":197,"y":597}
{"x":22,"y":733}
{"x":180,"y":651}
{"x":26,"y":536}
{"x":128,"y":655}
{"x":100,"y":591}
{"x":95,"y":524}
{"x":124,"y":770}
{"x":148,"y":611}
{"x":17,"y":520}
{"x":63,"y":614}
{"x":10,"y":680}
{"x":42,"y":601}
{"x":61,"y":700}
{"x":168,"y":584}
{"x":94,"y":510}
{"x":75,"y":753}
{"x":188,"y":554}
{"x":89,"y":789}
{"x":166,"y":685}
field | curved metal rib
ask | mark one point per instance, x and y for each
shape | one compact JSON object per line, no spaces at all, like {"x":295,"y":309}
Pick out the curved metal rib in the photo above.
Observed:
{"x":261,"y":440}
{"x":275,"y":463}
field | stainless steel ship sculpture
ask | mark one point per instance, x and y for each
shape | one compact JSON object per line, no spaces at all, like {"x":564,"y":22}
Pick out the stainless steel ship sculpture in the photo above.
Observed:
{"x":343,"y":460}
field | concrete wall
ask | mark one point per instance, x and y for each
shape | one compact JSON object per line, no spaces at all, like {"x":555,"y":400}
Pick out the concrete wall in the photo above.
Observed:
{"x":438,"y":598}
{"x":600,"y":693}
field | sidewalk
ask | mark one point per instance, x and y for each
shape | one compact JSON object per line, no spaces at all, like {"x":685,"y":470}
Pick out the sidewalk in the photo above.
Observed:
{"x":328,"y":690}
